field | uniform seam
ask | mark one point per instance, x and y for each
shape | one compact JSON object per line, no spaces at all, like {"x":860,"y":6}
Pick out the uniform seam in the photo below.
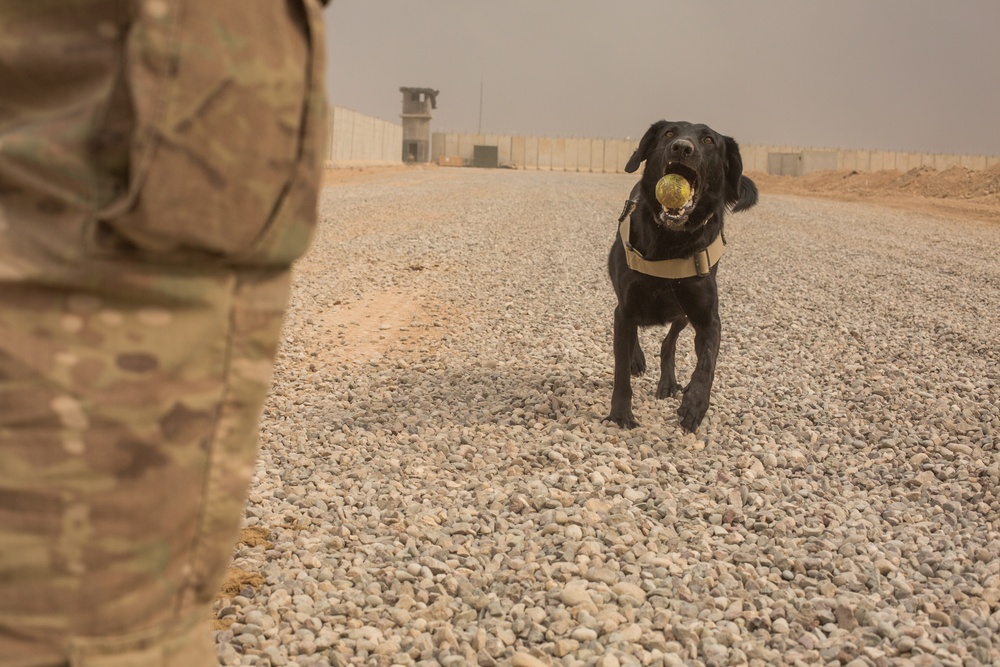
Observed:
{"x":192,"y":574}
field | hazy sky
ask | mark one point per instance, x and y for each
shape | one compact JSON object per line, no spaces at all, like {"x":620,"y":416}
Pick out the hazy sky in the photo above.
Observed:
{"x":906,"y":75}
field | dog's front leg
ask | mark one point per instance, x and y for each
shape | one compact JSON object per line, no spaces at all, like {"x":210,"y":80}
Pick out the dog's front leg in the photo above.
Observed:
{"x":694,"y":405}
{"x":626,"y":337}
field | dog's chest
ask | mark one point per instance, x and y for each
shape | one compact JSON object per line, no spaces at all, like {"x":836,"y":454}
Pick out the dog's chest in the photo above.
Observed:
{"x":651,"y":302}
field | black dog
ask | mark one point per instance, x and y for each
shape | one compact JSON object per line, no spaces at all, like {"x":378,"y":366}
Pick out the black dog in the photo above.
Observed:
{"x":663,"y":262}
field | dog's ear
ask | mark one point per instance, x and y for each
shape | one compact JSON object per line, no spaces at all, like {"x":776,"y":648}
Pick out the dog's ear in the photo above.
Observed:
{"x":741,"y":192}
{"x":645,"y":144}
{"x":748,"y":195}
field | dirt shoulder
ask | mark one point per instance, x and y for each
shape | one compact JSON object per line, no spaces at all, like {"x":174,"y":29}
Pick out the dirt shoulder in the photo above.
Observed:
{"x":349,"y":175}
{"x":955,"y":192}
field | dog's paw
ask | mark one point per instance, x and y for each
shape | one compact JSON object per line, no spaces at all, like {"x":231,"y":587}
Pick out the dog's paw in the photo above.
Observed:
{"x":638,"y":365}
{"x":692,"y":411}
{"x":667,"y":388}
{"x":625,"y":421}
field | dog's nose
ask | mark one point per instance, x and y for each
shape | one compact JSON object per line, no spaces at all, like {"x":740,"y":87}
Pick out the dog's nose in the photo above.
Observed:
{"x":682,"y":148}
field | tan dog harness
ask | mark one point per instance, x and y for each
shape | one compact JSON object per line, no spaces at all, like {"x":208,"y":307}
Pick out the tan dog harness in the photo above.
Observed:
{"x":698,"y":264}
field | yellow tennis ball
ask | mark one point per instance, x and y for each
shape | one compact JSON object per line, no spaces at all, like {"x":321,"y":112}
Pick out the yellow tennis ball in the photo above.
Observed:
{"x":673,"y":191}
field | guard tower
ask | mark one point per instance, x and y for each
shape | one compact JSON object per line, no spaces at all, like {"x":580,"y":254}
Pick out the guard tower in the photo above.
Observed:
{"x":417,"y":105}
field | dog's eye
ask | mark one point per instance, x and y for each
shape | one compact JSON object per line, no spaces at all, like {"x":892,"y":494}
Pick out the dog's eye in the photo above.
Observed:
{"x":708,"y":140}
{"x":670,"y":133}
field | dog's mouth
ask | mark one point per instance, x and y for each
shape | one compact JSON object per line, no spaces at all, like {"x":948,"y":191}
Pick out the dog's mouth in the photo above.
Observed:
{"x":675,"y":216}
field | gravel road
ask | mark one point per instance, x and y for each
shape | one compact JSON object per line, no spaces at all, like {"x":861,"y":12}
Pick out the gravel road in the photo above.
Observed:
{"x":436,"y":484}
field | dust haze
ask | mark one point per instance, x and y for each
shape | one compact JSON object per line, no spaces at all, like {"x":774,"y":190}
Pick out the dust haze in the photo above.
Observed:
{"x":919,"y":76}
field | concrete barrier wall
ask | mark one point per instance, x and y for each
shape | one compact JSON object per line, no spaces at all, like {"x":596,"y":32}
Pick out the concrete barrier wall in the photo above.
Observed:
{"x":755,"y":158}
{"x":610,"y":155}
{"x":539,"y":153}
{"x":359,"y":140}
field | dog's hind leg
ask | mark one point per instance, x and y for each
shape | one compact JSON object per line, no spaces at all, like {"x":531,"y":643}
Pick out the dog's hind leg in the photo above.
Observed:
{"x":638,"y":364}
{"x":668,"y":386}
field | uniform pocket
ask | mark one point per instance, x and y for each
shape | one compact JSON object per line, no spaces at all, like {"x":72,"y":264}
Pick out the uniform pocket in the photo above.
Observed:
{"x":229,"y":107}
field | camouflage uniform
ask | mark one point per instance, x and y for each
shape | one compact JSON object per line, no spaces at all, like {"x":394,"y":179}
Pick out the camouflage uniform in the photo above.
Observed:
{"x":159,"y":165}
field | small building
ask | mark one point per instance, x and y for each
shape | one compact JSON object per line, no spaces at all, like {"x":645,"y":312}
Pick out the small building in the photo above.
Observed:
{"x":416,"y":116}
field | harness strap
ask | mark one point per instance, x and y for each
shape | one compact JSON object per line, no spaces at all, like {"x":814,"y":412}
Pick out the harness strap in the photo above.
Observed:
{"x":698,"y":264}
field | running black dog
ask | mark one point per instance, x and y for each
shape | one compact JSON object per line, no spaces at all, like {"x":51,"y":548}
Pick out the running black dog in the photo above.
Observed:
{"x":663,"y":263}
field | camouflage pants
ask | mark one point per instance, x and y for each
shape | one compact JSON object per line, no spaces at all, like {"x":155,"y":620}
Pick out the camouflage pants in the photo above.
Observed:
{"x":159,"y":165}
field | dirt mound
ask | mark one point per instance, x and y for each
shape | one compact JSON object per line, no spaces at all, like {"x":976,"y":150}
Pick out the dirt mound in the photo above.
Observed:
{"x":954,"y":191}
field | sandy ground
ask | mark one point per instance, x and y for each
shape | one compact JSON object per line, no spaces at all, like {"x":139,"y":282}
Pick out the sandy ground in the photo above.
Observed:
{"x":955,"y":192}
{"x":384,"y":320}
{"x":439,"y":397}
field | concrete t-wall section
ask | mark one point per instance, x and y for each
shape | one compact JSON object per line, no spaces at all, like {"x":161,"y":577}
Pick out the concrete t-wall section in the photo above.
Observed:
{"x":818,"y":161}
{"x":765,"y":159}
{"x":357,"y":140}
{"x":539,"y":153}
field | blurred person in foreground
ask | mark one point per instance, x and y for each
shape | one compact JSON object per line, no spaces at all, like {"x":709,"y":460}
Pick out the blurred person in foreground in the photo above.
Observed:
{"x":159,"y":169}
